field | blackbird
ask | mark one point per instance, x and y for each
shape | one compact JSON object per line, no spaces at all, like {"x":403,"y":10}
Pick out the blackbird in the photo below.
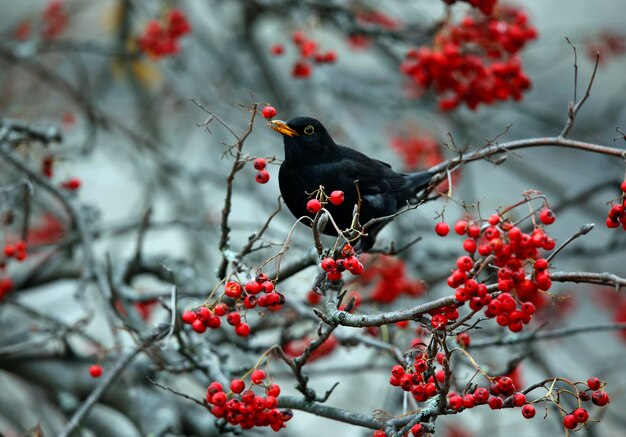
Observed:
{"x":312,"y":159}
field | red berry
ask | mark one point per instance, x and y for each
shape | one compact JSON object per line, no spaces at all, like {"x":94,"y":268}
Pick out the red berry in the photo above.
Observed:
{"x":469,"y":245}
{"x":569,"y":421}
{"x":257,"y":376}
{"x":623,"y":186}
{"x":594,"y":383}
{"x":219,"y":398}
{"x":220,"y":309}
{"x":528,"y":411}
{"x":442,"y":229}
{"x":473,"y":231}
{"x":237,"y":385}
{"x":95,"y":371}
{"x":233,"y":319}
{"x":9,"y":250}
{"x":254,"y":287}
{"x":259,"y":164}
{"x":336,"y":197}
{"x":214,"y":322}
{"x":481,"y":395}
{"x":313,"y":206}
{"x":547,"y":217}
{"x":439,"y":321}
{"x":328,"y":264}
{"x":463,"y":339}
{"x":469,"y":401}
{"x":242,"y":329}
{"x":464,"y":263}
{"x":417,"y":430}
{"x":494,"y":219}
{"x":495,"y":403}
{"x":460,"y":227}
{"x":379,"y":433}
{"x":262,"y":177}
{"x":600,"y":398}
{"x":198,"y":326}
{"x":189,"y":317}
{"x":455,"y":402}
{"x":273,"y":390}
{"x":232,"y":289}
{"x":277,"y":49}
{"x":519,"y":399}
{"x":71,"y":184}
{"x":581,"y":415}
{"x":269,"y":112}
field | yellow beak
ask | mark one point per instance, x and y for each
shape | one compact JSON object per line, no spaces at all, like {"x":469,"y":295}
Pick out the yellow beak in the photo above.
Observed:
{"x":281,"y":127}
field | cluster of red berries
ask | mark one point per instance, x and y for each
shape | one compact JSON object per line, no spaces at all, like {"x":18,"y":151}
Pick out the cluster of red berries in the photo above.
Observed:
{"x":244,"y":407}
{"x":417,"y":150}
{"x":441,"y":316}
{"x":617,"y":213}
{"x":296,"y":347}
{"x":16,"y":251}
{"x":55,"y":19}
{"x":308,"y":50}
{"x":161,"y":38}
{"x":246,"y":296}
{"x":390,"y":279}
{"x":314,"y":205}
{"x":474,"y":61}
{"x":609,"y":43}
{"x":370,"y":18}
{"x":485,"y":6}
{"x":203,"y":318}
{"x":520,"y":269}
{"x":262,"y":176}
{"x":413,"y":379}
{"x":95,"y":371}
{"x":347,"y":260}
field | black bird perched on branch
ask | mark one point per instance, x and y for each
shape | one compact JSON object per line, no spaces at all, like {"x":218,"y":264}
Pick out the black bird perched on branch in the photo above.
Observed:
{"x":312,"y":159}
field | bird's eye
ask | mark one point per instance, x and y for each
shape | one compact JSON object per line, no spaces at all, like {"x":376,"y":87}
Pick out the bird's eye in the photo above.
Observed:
{"x":309,"y":130}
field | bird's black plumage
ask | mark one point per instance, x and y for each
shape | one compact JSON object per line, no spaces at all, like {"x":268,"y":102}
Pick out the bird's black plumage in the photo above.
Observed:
{"x":312,"y":159}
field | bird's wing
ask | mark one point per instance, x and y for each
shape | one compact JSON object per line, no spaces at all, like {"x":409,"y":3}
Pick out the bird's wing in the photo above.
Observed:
{"x":374,"y":176}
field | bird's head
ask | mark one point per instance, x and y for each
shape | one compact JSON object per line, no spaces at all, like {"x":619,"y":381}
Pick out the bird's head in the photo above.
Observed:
{"x":304,"y":137}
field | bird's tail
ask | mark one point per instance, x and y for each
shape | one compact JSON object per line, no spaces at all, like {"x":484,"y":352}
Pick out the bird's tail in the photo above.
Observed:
{"x":420,"y":180}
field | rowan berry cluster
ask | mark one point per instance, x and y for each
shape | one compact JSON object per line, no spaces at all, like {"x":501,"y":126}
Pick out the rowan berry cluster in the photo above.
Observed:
{"x":55,"y":19}
{"x":262,"y":176}
{"x":370,"y":19}
{"x":346,"y":260}
{"x":308,"y":52}
{"x":617,"y":213}
{"x":16,"y":251}
{"x":389,"y":279}
{"x":485,"y":6}
{"x":246,"y":408}
{"x":609,"y":43}
{"x":416,"y":379}
{"x":160,"y":38}
{"x":296,"y":347}
{"x":417,"y":150}
{"x":244,"y":296}
{"x":521,"y":272}
{"x":314,"y":205}
{"x":475,"y":61}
